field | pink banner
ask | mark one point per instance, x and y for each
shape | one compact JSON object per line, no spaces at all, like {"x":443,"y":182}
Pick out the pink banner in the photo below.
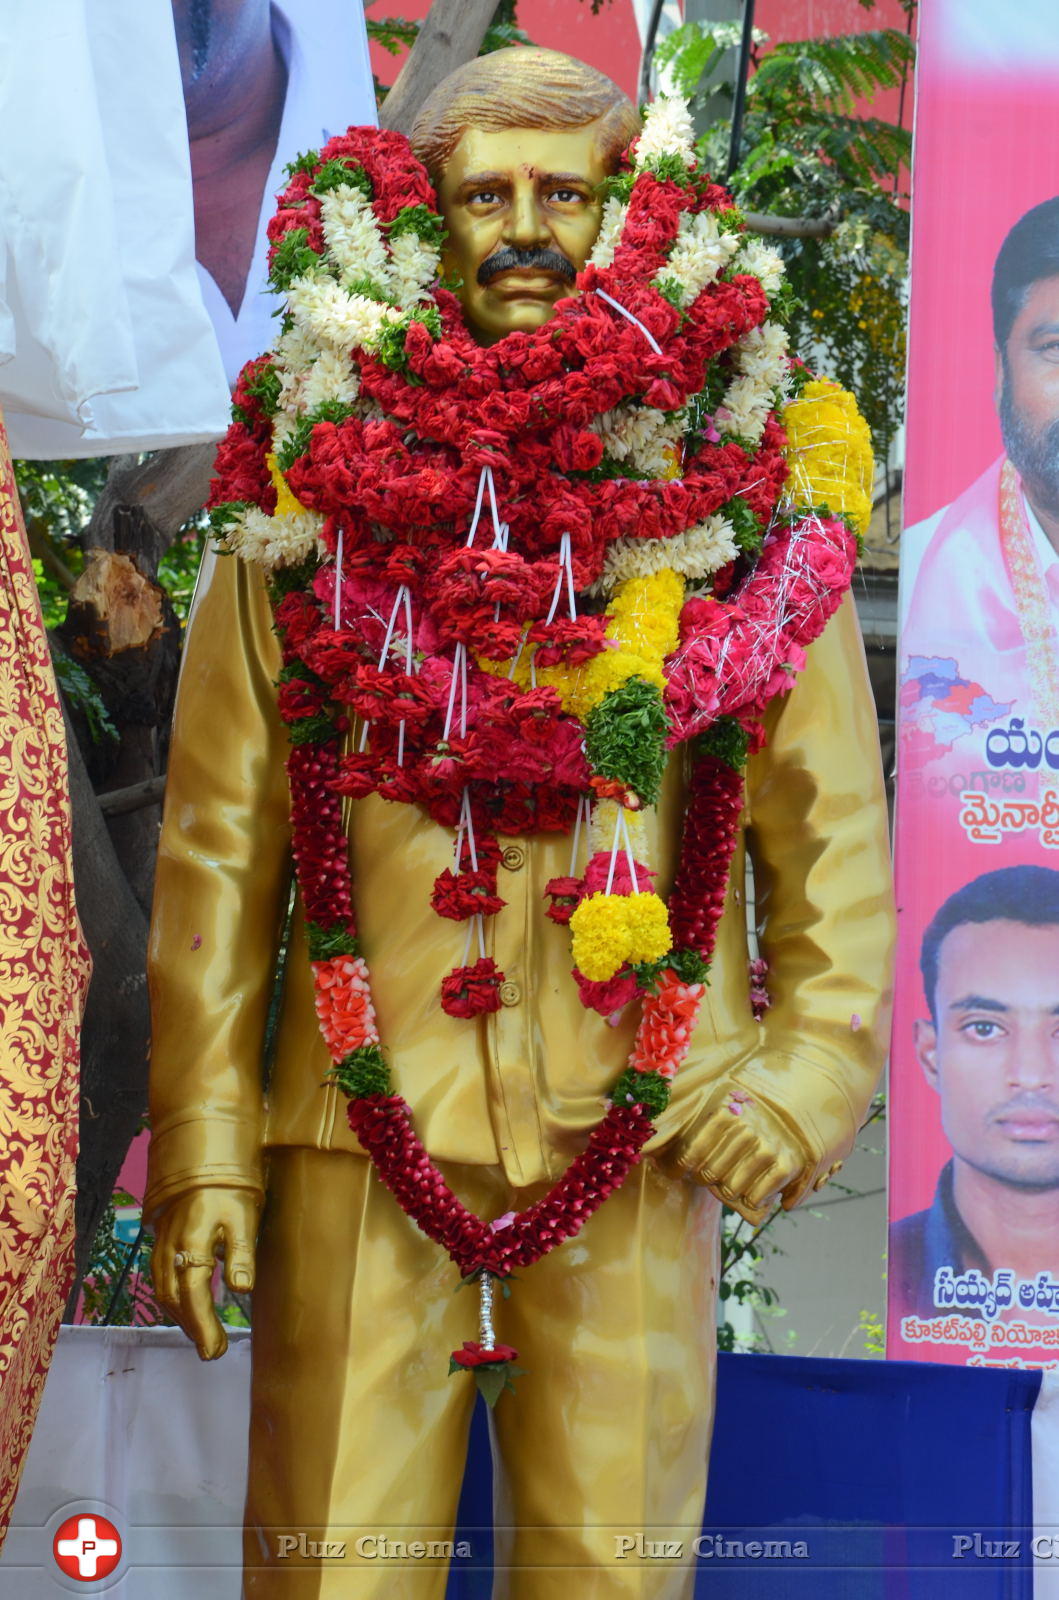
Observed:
{"x":974,"y":1171}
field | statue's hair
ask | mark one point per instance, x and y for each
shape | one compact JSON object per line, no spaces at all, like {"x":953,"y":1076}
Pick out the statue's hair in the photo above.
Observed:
{"x":522,"y":87}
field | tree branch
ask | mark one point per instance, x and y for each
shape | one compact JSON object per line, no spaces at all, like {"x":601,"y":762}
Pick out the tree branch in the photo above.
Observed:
{"x":451,"y":34}
{"x":116,"y":802}
{"x":790,"y":227}
{"x":162,"y":492}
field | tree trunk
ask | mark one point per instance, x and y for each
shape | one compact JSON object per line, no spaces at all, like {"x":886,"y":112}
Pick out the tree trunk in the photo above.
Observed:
{"x":451,"y":34}
{"x":116,"y":1028}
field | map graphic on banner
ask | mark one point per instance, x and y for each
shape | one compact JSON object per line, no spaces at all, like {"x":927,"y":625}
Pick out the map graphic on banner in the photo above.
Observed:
{"x":974,"y":1180}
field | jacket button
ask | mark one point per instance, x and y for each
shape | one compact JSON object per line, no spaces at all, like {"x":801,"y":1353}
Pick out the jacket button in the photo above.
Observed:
{"x":514,"y":857}
{"x":510,"y":993}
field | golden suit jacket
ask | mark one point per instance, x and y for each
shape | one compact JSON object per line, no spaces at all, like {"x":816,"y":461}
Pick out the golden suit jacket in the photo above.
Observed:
{"x":520,"y":1088}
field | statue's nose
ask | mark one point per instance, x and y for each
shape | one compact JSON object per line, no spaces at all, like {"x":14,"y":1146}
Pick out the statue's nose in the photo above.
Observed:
{"x":526,"y":226}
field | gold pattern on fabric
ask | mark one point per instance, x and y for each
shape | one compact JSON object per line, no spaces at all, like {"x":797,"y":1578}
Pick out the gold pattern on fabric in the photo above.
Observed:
{"x":44,"y":970}
{"x":1032,"y":605}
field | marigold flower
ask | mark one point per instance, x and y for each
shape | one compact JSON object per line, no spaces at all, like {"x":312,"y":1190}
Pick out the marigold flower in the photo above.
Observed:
{"x":601,"y":944}
{"x":647,"y":924}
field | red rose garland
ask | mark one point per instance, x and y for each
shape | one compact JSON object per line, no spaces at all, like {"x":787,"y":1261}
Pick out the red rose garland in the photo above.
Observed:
{"x":402,"y":630}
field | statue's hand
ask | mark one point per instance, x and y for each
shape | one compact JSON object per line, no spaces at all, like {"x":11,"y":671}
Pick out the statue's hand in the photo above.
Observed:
{"x":191,"y":1233}
{"x":748,"y":1158}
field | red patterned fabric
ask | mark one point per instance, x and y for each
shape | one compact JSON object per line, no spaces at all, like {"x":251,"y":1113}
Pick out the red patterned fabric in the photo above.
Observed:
{"x":44,"y":969}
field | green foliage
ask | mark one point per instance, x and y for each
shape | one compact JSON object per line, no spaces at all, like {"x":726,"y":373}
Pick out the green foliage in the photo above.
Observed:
{"x":178,"y":569}
{"x":873,"y":1331}
{"x":420,"y":220}
{"x":749,"y":534}
{"x":110,"y":1258}
{"x":341,"y":174}
{"x":326,"y":943}
{"x":285,"y":580}
{"x":805,"y":152}
{"x":390,"y":341}
{"x":60,"y":494}
{"x":689,"y":966}
{"x":305,"y":162}
{"x":295,"y":444}
{"x":265,"y":387}
{"x":727,"y":740}
{"x":363,"y":1072}
{"x":646,"y":1088}
{"x":293,"y":258}
{"x":83,"y":696}
{"x":625,"y":737}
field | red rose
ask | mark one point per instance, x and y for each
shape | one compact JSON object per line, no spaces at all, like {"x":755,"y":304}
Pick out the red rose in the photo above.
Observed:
{"x":608,"y":997}
{"x":298,"y":617}
{"x":472,"y":1354}
{"x":466,"y":894}
{"x":298,"y":699}
{"x":568,"y":640}
{"x":472,"y":991}
{"x":565,"y":896}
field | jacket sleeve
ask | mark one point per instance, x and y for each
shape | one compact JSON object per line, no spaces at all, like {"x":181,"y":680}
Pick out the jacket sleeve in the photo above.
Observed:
{"x":817,"y":830}
{"x":220,"y":894}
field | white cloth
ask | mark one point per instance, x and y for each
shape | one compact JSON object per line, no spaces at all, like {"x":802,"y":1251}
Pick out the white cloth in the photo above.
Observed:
{"x":133,"y":1426}
{"x":104,"y":340}
{"x":324,"y":44}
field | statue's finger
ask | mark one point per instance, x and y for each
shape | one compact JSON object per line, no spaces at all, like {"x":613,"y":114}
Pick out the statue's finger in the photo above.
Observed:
{"x":163,"y":1276}
{"x":757,"y":1167}
{"x":239,"y":1266}
{"x":198,"y":1316}
{"x":724,"y":1141}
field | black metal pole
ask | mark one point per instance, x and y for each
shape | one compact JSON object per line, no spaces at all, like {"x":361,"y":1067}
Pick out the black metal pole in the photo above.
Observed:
{"x":119,"y":1286}
{"x":643,"y":88}
{"x":739,"y":100}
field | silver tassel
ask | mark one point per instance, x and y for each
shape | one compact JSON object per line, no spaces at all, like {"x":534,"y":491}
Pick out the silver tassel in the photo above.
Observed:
{"x":486,"y":1332}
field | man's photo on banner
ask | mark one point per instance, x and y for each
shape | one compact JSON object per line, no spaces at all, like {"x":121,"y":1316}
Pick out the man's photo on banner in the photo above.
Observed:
{"x":988,"y":1046}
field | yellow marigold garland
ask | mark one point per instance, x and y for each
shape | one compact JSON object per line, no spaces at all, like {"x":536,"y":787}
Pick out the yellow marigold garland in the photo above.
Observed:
{"x":830,"y":454}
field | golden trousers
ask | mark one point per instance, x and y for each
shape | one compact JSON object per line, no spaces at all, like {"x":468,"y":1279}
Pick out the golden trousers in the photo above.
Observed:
{"x":358,"y":1436}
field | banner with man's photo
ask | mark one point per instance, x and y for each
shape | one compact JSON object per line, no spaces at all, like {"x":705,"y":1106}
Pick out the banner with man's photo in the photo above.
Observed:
{"x":974,"y":1174}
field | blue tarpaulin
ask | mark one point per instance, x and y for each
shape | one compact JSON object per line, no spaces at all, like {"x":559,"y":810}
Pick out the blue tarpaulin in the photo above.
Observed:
{"x":873,"y":1480}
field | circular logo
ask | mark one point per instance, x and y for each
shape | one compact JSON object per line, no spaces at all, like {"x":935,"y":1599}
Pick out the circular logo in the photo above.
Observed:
{"x":87,"y":1547}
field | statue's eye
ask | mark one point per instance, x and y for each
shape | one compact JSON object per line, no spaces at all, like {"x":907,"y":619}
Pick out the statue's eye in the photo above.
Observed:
{"x":483,"y":197}
{"x":566,"y":196}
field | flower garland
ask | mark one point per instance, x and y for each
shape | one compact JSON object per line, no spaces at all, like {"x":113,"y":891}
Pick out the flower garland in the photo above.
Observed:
{"x":507,"y":580}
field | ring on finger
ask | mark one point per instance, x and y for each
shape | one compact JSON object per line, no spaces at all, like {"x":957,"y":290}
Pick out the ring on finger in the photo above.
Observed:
{"x":184,"y":1259}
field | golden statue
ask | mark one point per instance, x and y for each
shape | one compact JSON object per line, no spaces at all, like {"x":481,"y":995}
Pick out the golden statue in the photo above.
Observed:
{"x":357,"y":1437}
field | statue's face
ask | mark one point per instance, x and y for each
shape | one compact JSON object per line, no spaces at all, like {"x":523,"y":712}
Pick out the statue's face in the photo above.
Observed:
{"x":522,"y":210}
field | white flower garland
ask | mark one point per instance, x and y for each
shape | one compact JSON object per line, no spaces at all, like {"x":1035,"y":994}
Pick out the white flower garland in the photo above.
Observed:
{"x":369,"y":276}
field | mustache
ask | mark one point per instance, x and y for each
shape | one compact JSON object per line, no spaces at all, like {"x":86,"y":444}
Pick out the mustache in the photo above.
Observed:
{"x":509,"y":260}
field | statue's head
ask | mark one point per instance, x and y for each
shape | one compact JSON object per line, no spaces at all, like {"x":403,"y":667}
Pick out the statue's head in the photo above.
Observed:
{"x":517,"y":144}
